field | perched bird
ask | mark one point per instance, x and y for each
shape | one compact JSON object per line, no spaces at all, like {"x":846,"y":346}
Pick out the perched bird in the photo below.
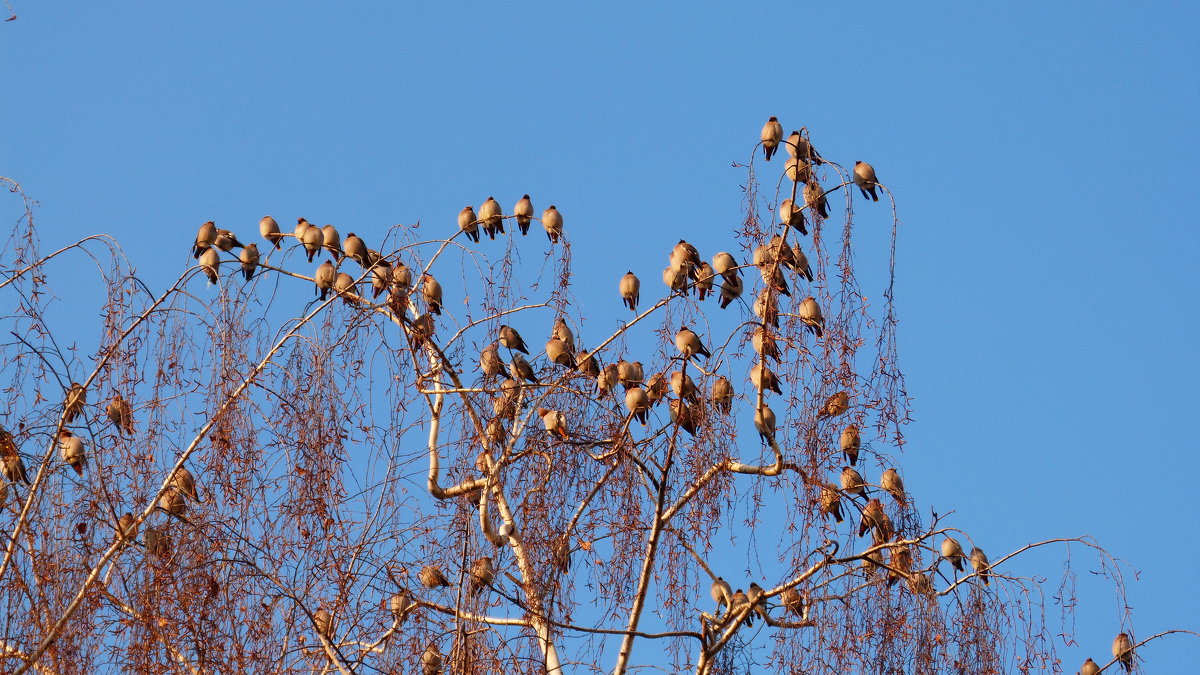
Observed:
{"x":953,"y":551}
{"x":554,"y":421}
{"x":172,"y":501}
{"x":853,"y":483}
{"x":355,"y":249}
{"x":70,"y":447}
{"x":724,"y":264}
{"x":401,"y":282}
{"x":587,"y":364}
{"x":722,"y":594}
{"x":831,"y":502}
{"x":731,"y":289}
{"x":738,"y":601}
{"x":810,"y":314}
{"x":766,"y":307}
{"x":656,"y":388}
{"x":764,"y":422}
{"x":185,"y":483}
{"x":630,"y":288}
{"x":302,"y":226}
{"x":381,"y":278}
{"x":764,"y":379}
{"x":127,"y":527}
{"x":560,"y":553}
{"x":792,"y":215}
{"x":850,"y":443}
{"x":249,"y":258}
{"x":332,"y":241}
{"x":772,"y":133}
{"x":520,"y":369}
{"x":871,"y":513}
{"x":638,"y":404}
{"x":798,"y":170}
{"x":754,"y":594}
{"x":801,"y":265}
{"x":157,"y":543}
{"x":421,"y":329}
{"x":798,"y":146}
{"x":210,"y":260}
{"x":400,"y":604}
{"x":482,"y":574}
{"x":489,"y":360}
{"x":900,"y":560}
{"x":682,"y":385}
{"x":314,"y":240}
{"x":562,"y":331}
{"x":814,"y":198}
{"x":467,"y":222}
{"x":772,"y":276}
{"x":432,"y":577}
{"x":674,"y":279}
{"x":835,"y":405}
{"x":684,"y":415}
{"x":558,"y":352}
{"x":979,"y":563}
{"x":73,"y":405}
{"x":524,"y":213}
{"x":688,"y":343}
{"x":510,"y":338}
{"x":864,"y":178}
{"x":630,"y":373}
{"x":269,"y":229}
{"x":324,"y":278}
{"x":552,"y":221}
{"x":794,"y":602}
{"x":1089,"y":667}
{"x":892,"y":484}
{"x":1122,"y":651}
{"x":431,"y":290}
{"x":205,"y":236}
{"x":491,"y":217}
{"x":343,"y":285}
{"x":14,"y":469}
{"x":120,"y":414}
{"x":722,"y":395}
{"x":226,"y":241}
{"x":607,"y":378}
{"x":323,"y":622}
{"x":431,"y":660}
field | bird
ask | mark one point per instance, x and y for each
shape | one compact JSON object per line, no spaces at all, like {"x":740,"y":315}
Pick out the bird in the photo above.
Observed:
{"x":205,"y":236}
{"x":683,"y":415}
{"x":432,"y":577}
{"x":952,"y":551}
{"x":269,"y":229}
{"x":638,"y":404}
{"x":562,"y":331}
{"x":226,"y":241}
{"x":323,"y":622}
{"x":489,"y":360}
{"x":892,"y":484}
{"x":185,"y":483}
{"x":798,"y":146}
{"x":850,"y":442}
{"x":864,"y":178}
{"x":1089,"y":667}
{"x":607,"y":378}
{"x":794,"y":602}
{"x":630,"y":373}
{"x":491,"y":217}
{"x":792,"y":215}
{"x":520,"y":369}
{"x":764,"y":379}
{"x":14,"y":469}
{"x":524,"y":213}
{"x":324,"y":277}
{"x":739,"y":600}
{"x":343,"y":285}
{"x":772,"y":276}
{"x":754,"y":594}
{"x":313,"y":240}
{"x":482,"y":574}
{"x":801,"y":265}
{"x":772,"y":134}
{"x":431,"y":660}
{"x":1122,"y":651}
{"x":210,"y":260}
{"x":467,"y":222}
{"x":587,"y":364}
{"x":127,"y":527}
{"x":682,"y":385}
{"x":552,"y":221}
{"x":510,"y":338}
{"x":797,"y":170}
{"x":722,"y":594}
{"x":725,"y":264}
{"x":249,"y":258}
{"x":302,"y":226}
{"x":656,"y":388}
{"x":399,"y":604}
{"x":853,"y":483}
{"x":835,"y":405}
{"x":172,"y":501}
{"x":766,"y":307}
{"x":810,"y":313}
{"x":120,"y":414}
{"x":421,"y":328}
{"x":630,"y":289}
{"x":814,"y":198}
{"x":722,"y":395}
{"x":688,"y":343}
{"x":554,"y":421}
{"x":70,"y":447}
{"x":401,"y":281}
{"x":675,"y":280}
{"x":381,"y":278}
{"x":431,"y":290}
{"x":979,"y":563}
{"x":831,"y":502}
{"x":354,"y":248}
{"x":764,"y":422}
{"x":75,"y":400}
{"x":558,"y":352}
{"x":332,"y":241}
{"x":731,"y":289}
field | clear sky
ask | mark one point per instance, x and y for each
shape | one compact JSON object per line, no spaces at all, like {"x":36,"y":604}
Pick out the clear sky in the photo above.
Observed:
{"x":1047,"y":272}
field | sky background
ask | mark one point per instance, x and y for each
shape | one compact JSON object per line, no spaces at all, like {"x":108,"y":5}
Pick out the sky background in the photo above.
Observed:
{"x":1047,"y":272}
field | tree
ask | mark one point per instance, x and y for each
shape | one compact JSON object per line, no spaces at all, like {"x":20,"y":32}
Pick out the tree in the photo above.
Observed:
{"x":385,"y":479}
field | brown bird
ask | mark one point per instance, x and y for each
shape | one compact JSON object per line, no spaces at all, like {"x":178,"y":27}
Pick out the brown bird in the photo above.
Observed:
{"x":682,"y":385}
{"x":763,"y":379}
{"x":431,"y":660}
{"x":269,"y":229}
{"x":798,"y":146}
{"x":520,"y":369}
{"x":323,"y":622}
{"x":421,"y":329}
{"x":172,"y":501}
{"x":127,"y":527}
{"x":185,"y":483}
{"x":343,"y":285}
{"x":772,"y":134}
{"x":853,"y":483}
{"x":721,"y":593}
{"x":630,"y":373}
{"x":302,"y":226}
{"x":979,"y":563}
{"x":431,"y":290}
{"x":810,"y":314}
{"x":432,"y":577}
{"x":688,"y":344}
{"x":814,"y":199}
{"x":892,"y":484}
{"x":249,"y":259}
{"x":900,"y":560}
{"x":401,"y":282}
{"x":489,"y":360}
{"x":587,"y":363}
{"x":70,"y":447}
{"x":558,"y":352}
{"x":801,"y":265}
{"x":157,"y":543}
{"x":324,"y":278}
{"x":638,"y":404}
{"x":835,"y":405}
{"x":766,"y":307}
{"x":467,"y":222}
{"x":552,"y":222}
{"x":226,"y":241}
{"x":772,"y":276}
{"x":764,"y":422}
{"x":482,"y":574}
{"x":560,"y":553}
{"x":792,"y":215}
{"x":675,"y":279}
{"x":864,"y":178}
{"x":554,"y":421}
{"x":210,"y":261}
{"x":354,"y":249}
{"x":1089,"y":667}
{"x":953,"y":551}
{"x":794,"y":602}
{"x":731,"y":289}
{"x":524,"y":213}
{"x":684,"y":415}
{"x":492,"y":218}
{"x":754,"y":594}
{"x":381,"y":278}
{"x":332,"y":241}
{"x":76,"y":399}
{"x":400,"y":604}
{"x":831,"y":502}
{"x":562,"y":331}
{"x":797,"y":170}
{"x":704,"y":284}
{"x":314,"y":240}
{"x":850,"y":442}
{"x":607,"y":379}
{"x":738,"y":601}
{"x":871,"y":512}
{"x":205,"y":236}
{"x":120,"y":414}
{"x":724,"y":264}
{"x":1122,"y":651}
{"x":722,"y":395}
{"x":14,"y":469}
{"x":656,"y":388}
{"x":510,"y":338}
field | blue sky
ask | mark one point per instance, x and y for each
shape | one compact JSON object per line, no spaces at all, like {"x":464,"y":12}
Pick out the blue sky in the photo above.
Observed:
{"x":1046,"y":275}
